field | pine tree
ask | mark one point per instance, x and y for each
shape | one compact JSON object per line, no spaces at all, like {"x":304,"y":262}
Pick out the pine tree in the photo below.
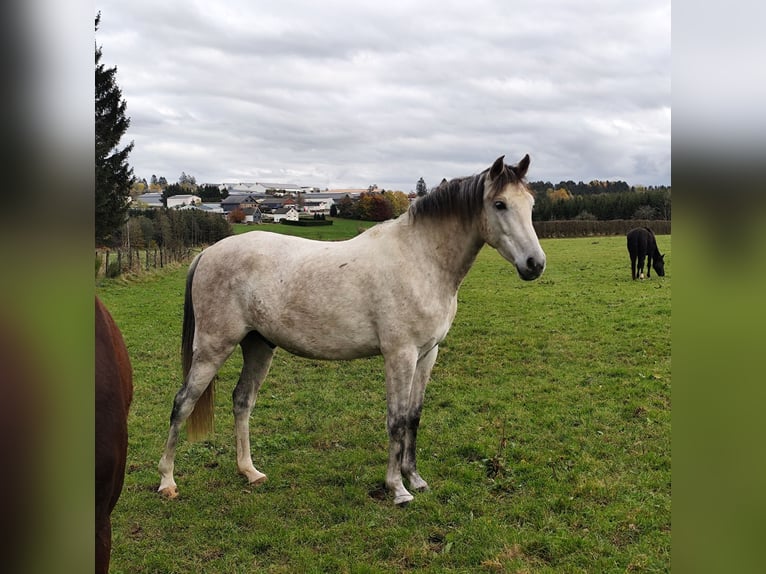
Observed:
{"x":114,"y":176}
{"x":420,"y":188}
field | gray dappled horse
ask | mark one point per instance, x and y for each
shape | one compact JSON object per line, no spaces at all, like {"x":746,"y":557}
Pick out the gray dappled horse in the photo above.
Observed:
{"x":390,"y":291}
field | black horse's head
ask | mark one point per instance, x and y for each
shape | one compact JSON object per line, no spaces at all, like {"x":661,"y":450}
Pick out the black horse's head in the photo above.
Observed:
{"x":659,"y":265}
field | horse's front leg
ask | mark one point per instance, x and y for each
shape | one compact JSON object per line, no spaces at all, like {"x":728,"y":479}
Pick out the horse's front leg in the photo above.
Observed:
{"x":400,"y":370}
{"x":419,"y":382}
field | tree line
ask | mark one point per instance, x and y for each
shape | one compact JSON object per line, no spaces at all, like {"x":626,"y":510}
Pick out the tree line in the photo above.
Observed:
{"x":171,"y":229}
{"x":372,"y":206}
{"x":651,"y":204}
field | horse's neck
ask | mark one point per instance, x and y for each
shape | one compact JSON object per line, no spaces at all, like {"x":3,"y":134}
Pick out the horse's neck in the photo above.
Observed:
{"x":446,"y":245}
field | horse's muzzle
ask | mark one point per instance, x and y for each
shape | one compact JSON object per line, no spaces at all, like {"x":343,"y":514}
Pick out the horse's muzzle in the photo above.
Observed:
{"x":532,"y":270}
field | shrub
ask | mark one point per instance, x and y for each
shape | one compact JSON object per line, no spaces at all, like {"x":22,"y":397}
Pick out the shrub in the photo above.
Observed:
{"x":113,"y":270}
{"x":237,"y":215}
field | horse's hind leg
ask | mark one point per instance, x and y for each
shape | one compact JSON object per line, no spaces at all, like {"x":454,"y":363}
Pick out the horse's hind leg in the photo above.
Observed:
{"x":257,"y":355}
{"x":200,"y":376}
{"x":419,"y":382}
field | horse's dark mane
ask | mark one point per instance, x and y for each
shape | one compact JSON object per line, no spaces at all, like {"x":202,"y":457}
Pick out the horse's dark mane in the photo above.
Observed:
{"x":461,"y":197}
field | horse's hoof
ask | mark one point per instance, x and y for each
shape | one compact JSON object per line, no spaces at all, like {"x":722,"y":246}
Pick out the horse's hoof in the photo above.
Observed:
{"x":418,"y":484}
{"x":253,"y":476}
{"x":403,"y":500}
{"x":169,"y":492}
{"x":259,"y":480}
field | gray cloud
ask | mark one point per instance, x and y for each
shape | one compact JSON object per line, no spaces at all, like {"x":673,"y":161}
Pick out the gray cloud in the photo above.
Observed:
{"x":343,"y":94}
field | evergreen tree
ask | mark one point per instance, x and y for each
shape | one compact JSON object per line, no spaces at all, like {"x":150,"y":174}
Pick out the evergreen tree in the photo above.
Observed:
{"x":421,"y":188}
{"x":114,"y":176}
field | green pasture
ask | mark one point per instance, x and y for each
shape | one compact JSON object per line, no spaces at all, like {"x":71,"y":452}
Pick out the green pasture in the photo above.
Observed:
{"x":545,"y":436}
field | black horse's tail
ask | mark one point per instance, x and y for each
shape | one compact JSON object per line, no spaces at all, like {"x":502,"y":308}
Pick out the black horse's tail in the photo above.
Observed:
{"x":187,"y":332}
{"x":200,"y":422}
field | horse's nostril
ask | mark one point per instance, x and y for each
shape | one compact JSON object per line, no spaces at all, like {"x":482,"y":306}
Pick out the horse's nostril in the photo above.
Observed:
{"x":532,"y":264}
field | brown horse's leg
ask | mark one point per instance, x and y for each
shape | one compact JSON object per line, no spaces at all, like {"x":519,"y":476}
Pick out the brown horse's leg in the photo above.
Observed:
{"x":103,"y":544}
{"x":257,"y":355}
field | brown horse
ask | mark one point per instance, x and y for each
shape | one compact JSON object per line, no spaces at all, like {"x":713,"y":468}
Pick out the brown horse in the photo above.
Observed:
{"x":114,"y":392}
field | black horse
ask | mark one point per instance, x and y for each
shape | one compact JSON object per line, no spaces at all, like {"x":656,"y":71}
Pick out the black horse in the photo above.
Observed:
{"x":641,"y":244}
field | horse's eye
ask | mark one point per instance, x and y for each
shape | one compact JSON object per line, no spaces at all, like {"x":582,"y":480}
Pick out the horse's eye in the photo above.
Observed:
{"x":500,"y":205}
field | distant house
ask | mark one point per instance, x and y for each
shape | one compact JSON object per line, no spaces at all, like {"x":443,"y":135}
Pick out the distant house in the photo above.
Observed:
{"x":270,"y":205}
{"x":252,"y":215}
{"x":181,"y":200}
{"x":230,"y":203}
{"x":240,"y":200}
{"x":210,"y":207}
{"x":338,"y":194}
{"x":206,"y":207}
{"x":312,"y":205}
{"x":246,"y":188}
{"x":148,"y":200}
{"x":288,"y":213}
{"x":280,"y":189}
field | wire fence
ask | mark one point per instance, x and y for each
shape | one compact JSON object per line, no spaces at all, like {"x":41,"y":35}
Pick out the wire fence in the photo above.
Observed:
{"x":114,"y":262}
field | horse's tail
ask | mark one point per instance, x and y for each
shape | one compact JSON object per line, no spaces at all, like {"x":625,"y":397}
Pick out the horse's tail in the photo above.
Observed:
{"x":200,"y":421}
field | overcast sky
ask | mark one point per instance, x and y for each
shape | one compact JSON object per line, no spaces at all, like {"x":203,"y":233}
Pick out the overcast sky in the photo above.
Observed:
{"x":349,"y":94}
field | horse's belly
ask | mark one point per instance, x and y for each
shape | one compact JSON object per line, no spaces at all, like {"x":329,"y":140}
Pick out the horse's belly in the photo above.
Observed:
{"x":329,"y":348}
{"x":322,"y":337}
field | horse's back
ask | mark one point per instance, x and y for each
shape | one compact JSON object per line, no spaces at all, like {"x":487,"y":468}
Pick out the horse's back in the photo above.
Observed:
{"x":640,"y":240}
{"x":113,"y":395}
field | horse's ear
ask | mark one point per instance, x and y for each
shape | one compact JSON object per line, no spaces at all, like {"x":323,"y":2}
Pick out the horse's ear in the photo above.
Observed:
{"x":521,"y":169}
{"x":497,"y":167}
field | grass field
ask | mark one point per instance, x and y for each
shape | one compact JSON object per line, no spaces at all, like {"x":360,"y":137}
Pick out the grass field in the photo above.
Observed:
{"x":545,"y":437}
